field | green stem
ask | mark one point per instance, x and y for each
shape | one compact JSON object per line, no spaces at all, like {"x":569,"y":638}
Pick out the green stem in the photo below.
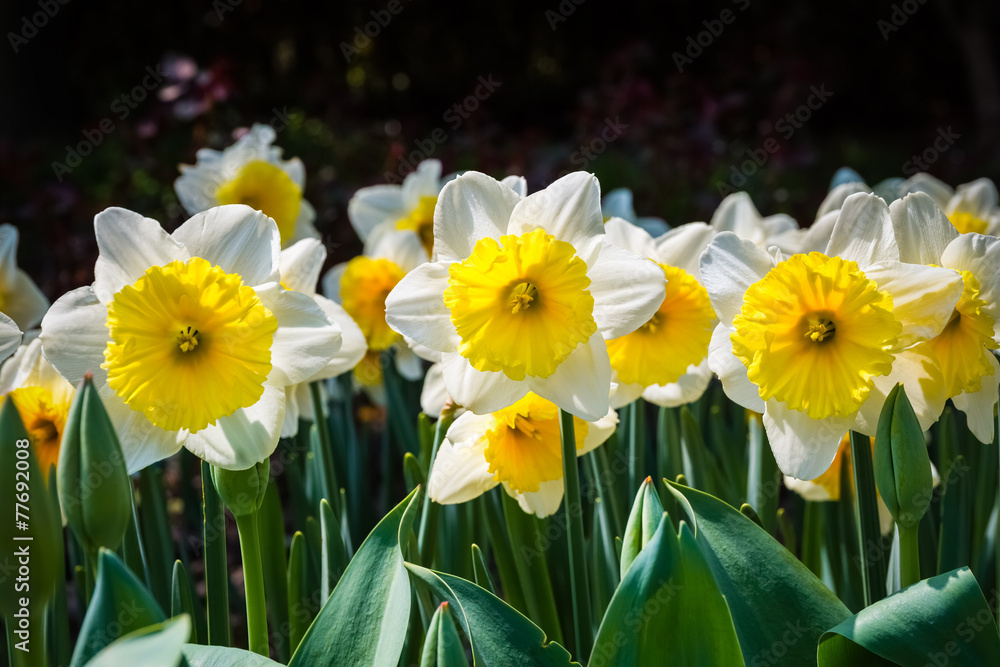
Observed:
{"x":216,"y":571}
{"x":253,"y":583}
{"x":323,"y":429}
{"x":636,"y":446}
{"x":909,"y":555}
{"x":870,"y":556}
{"x":427,"y":532}
{"x":582,"y":627}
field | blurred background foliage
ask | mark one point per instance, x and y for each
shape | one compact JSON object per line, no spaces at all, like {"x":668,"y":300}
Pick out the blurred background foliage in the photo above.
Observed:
{"x":899,"y":74}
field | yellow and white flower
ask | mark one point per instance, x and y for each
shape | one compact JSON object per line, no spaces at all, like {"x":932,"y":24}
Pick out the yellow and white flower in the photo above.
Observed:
{"x":518,"y":446}
{"x":971,"y":207}
{"x":300,"y":266}
{"x":361,"y":286}
{"x":738,"y":215}
{"x":20,"y":298}
{"x":42,"y":397}
{"x":379,"y":209}
{"x":816,"y":341}
{"x":618,"y":204}
{"x":666,"y":359}
{"x":250,"y":172}
{"x":964,"y":349}
{"x":524,"y":294}
{"x":190,"y":336}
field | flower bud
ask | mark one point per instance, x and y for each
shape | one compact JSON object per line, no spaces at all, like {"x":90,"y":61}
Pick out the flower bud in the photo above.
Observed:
{"x":647,"y":512}
{"x":902,"y":466}
{"x":242,"y":491}
{"x":94,"y":487}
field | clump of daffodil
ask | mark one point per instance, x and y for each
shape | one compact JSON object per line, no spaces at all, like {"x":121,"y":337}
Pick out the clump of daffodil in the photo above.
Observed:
{"x":518,"y":446}
{"x":379,"y":209}
{"x":42,"y":397}
{"x":190,"y":336}
{"x":523,"y":294}
{"x":971,"y":207}
{"x":816,"y":341}
{"x":361,"y":286}
{"x":20,"y":298}
{"x":964,"y":348}
{"x":300,"y":266}
{"x":250,"y":172}
{"x":666,"y":359}
{"x":737,"y":214}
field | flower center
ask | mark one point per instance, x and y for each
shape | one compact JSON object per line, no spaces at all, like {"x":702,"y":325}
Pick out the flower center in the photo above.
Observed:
{"x":520,"y":305}
{"x":421,"y":221}
{"x":189,"y":343}
{"x":363,"y":289}
{"x":963,"y":346}
{"x":813,"y":332}
{"x":683,"y":325}
{"x":44,"y":420}
{"x":966,"y":223}
{"x":524,"y":449}
{"x":266,"y":188}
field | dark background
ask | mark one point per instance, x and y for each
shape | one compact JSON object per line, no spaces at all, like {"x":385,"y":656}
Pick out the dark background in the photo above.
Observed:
{"x":893,"y":91}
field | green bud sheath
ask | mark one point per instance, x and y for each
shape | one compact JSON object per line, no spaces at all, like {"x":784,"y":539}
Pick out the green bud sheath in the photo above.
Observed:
{"x":242,"y":491}
{"x":647,"y":512}
{"x":902,"y":466}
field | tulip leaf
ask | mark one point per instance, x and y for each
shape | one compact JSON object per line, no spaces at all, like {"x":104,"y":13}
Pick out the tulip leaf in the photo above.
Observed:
{"x":499,"y":634}
{"x":364,"y":620}
{"x":120,"y":605}
{"x":443,"y":646}
{"x":941,"y":620}
{"x":667,"y":605}
{"x":153,"y":646}
{"x":777,"y":604}
{"x":196,"y":655}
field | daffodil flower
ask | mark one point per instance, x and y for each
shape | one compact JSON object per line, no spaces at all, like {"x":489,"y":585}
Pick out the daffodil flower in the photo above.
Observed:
{"x":971,"y":207}
{"x":190,"y":337}
{"x":250,"y":172}
{"x":10,"y":336}
{"x":361,"y":286}
{"x":817,"y":341}
{"x":618,"y":204}
{"x":964,"y":349}
{"x":379,"y":209}
{"x":300,"y":266}
{"x":666,"y":359}
{"x":20,"y":298}
{"x":524,"y":294}
{"x":518,"y":446}
{"x":738,"y":215}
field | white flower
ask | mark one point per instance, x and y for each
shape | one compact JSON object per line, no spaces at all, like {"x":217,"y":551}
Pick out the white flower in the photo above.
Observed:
{"x":20,"y":298}
{"x":972,"y":207}
{"x":523,"y":294}
{"x":190,"y":337}
{"x":250,"y":172}
{"x":738,"y":215}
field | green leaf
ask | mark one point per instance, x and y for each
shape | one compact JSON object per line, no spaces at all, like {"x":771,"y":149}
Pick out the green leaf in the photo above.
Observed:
{"x":120,"y":605}
{"x":944,"y":620}
{"x":365,"y":619}
{"x":153,"y":646}
{"x":223,"y":656}
{"x":499,"y":634}
{"x":774,"y":599}
{"x":443,"y":647}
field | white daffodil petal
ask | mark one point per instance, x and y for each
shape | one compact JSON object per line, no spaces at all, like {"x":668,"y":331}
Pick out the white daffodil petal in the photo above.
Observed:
{"x":817,"y":237}
{"x":142,"y":442}
{"x":623,"y":394}
{"x":74,"y":335}
{"x":469,"y":428}
{"x":581,"y":385}
{"x":923,"y":297}
{"x":374,"y":205}
{"x":331,"y":281}
{"x":729,"y":266}
{"x":980,"y":255}
{"x":863,"y":232}
{"x":542,"y":503}
{"x":469,"y":208}
{"x":918,"y":371}
{"x":304,"y":227}
{"x":434,"y":394}
{"x":10,"y":337}
{"x":682,"y":246}
{"x":8,"y":255}
{"x":835,"y":198}
{"x":978,"y":406}
{"x":624,"y":234}
{"x":479,"y":391}
{"x":408,"y":364}
{"x":305,"y":341}
{"x":24,"y":302}
{"x":516,"y":183}
{"x":922,"y":230}
{"x":803,"y":447}
{"x":290,"y":424}
{"x":459,"y":474}
{"x":243,"y":438}
{"x":237,"y":239}
{"x":300,"y":265}
{"x":652,"y":225}
{"x":352,"y":341}
{"x":627,"y":290}
{"x":978,"y":198}
{"x":939,"y":191}
{"x":403,"y":249}
{"x":733,"y":373}
{"x":415,"y":308}
{"x":569,"y":209}
{"x":129,"y":244}
{"x":424,"y":181}
{"x":808,"y":489}
{"x":737,"y":214}
{"x":598,"y":432}
{"x":688,"y":388}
